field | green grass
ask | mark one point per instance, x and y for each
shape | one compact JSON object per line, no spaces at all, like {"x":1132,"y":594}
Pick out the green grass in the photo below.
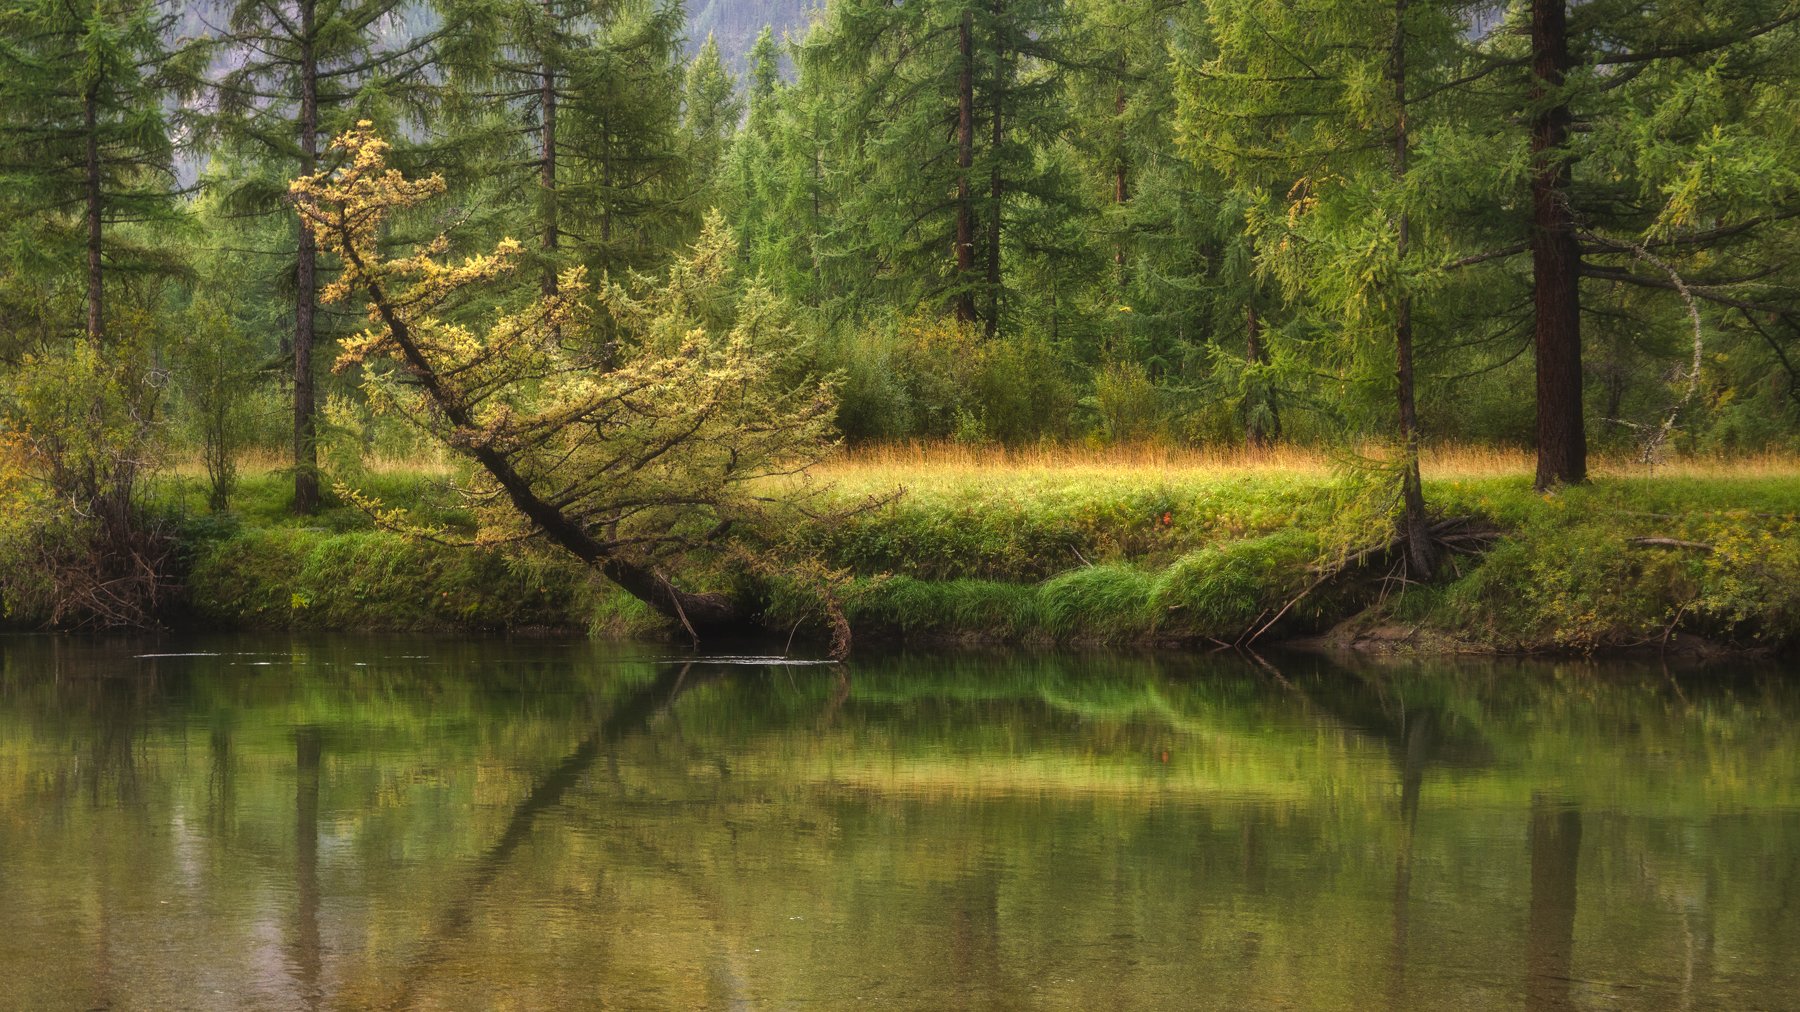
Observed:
{"x":1075,"y":549}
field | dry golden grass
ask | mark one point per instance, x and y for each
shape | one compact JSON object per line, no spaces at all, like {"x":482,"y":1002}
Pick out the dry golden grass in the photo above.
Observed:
{"x":946,"y":461}
{"x":262,"y":461}
{"x":951,"y":464}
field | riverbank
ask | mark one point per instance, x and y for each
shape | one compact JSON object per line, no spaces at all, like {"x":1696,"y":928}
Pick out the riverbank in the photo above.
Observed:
{"x":1145,"y":548}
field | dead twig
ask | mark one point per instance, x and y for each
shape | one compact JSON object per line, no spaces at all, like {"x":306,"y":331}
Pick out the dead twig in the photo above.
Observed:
{"x":1698,"y":546}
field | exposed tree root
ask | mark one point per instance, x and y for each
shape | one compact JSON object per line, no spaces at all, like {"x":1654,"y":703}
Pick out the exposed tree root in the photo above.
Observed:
{"x":1450,"y":536}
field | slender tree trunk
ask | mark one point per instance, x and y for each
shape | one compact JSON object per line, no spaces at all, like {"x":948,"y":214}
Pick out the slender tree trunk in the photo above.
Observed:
{"x":606,"y":187}
{"x":1414,"y":529}
{"x":91,"y":179}
{"x":1261,"y":428}
{"x":547,"y":161}
{"x":818,"y":266}
{"x":1121,"y":182}
{"x":306,"y":449}
{"x":1555,"y":258}
{"x":965,"y":160}
{"x":994,"y":180}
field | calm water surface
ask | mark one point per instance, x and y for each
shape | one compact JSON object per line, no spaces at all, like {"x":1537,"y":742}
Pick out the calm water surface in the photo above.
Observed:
{"x":341,"y":823}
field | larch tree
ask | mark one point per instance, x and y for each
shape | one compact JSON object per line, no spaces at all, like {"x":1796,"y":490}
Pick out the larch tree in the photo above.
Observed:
{"x":710,"y":110}
{"x":943,"y":109}
{"x":637,"y":465}
{"x":1179,"y":292}
{"x":287,"y":74}
{"x":1326,"y":106}
{"x":1639,"y":173}
{"x":85,"y":141}
{"x":573,"y":104}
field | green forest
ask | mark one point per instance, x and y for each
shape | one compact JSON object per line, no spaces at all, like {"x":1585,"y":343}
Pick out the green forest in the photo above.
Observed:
{"x":1039,"y":319}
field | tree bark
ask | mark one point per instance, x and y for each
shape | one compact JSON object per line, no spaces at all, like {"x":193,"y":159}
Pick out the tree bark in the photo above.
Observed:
{"x":91,"y":179}
{"x":547,"y":157}
{"x":994,"y":181}
{"x":1421,"y":557}
{"x":1256,"y":432}
{"x":1121,"y":180}
{"x":965,"y":160}
{"x":306,"y":449}
{"x":1555,"y":258}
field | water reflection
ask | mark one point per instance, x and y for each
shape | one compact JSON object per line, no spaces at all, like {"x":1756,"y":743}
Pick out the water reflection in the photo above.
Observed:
{"x":1550,"y":937}
{"x":378,"y":823}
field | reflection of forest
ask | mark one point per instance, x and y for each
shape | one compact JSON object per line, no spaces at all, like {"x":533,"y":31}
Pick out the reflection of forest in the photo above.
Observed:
{"x":323,"y":824}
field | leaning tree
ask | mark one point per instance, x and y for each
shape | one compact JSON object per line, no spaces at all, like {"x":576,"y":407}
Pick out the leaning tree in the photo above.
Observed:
{"x":638,"y":458}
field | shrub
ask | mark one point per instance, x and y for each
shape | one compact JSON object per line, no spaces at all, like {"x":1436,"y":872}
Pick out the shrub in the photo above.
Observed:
{"x":77,"y":545}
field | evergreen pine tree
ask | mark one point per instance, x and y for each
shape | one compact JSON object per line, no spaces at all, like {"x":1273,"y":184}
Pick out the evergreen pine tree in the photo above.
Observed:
{"x":84,"y":147}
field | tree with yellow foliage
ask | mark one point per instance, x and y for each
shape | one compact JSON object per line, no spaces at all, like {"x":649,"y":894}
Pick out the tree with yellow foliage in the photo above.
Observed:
{"x":634,"y":433}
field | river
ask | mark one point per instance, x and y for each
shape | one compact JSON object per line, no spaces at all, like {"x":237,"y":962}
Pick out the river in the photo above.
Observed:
{"x":281,"y":823}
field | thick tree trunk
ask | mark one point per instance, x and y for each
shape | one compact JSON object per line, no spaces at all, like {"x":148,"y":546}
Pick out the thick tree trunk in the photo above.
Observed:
{"x":965,"y":160}
{"x":91,"y":179}
{"x":1421,"y":557}
{"x":306,"y":449}
{"x":1555,"y":258}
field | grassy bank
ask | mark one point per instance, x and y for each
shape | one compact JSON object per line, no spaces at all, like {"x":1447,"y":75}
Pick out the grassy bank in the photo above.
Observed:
{"x":1158,"y":546}
{"x":1122,"y":547}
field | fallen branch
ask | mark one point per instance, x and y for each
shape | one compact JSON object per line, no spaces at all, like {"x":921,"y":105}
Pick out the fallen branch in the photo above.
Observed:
{"x":1698,"y":546}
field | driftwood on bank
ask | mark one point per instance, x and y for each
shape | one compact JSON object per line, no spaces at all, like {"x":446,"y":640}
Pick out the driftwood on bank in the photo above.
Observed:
{"x":1698,"y":546}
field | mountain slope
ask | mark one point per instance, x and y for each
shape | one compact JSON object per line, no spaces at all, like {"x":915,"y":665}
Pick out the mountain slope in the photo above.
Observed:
{"x":735,"y":24}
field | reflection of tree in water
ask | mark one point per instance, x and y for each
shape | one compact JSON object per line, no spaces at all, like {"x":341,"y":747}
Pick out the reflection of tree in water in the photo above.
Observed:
{"x":454,"y":921}
{"x":961,"y":829}
{"x":1417,"y":730}
{"x":304,"y":951}
{"x":1555,"y":840}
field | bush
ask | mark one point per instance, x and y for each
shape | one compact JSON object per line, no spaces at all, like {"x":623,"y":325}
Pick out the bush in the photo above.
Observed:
{"x":1127,"y":404}
{"x":929,"y":376}
{"x":215,"y":364}
{"x":77,"y":545}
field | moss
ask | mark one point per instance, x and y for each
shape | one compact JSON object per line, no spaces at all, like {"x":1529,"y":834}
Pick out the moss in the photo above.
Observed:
{"x":370,"y":580}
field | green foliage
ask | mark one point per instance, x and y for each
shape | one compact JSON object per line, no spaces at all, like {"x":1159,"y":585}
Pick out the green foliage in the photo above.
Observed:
{"x":77,"y":546}
{"x":215,"y":364}
{"x":80,"y":80}
{"x":375,"y":580}
{"x":930,"y":375}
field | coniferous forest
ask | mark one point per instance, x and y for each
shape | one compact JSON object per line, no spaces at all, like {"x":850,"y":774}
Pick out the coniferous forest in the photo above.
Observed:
{"x":618,"y":275}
